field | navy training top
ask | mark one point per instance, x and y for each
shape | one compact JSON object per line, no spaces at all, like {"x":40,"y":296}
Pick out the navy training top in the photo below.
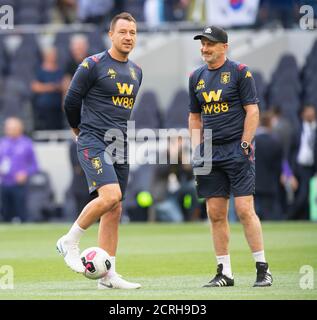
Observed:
{"x":102,"y":94}
{"x":220,"y":95}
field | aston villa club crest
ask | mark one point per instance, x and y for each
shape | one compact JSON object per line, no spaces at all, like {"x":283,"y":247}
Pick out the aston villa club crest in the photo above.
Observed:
{"x":225,"y":77}
{"x":96,"y":163}
{"x":133,"y":74}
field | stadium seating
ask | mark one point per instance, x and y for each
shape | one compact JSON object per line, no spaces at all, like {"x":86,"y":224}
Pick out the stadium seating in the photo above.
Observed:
{"x":261,"y":87}
{"x":40,"y":200}
{"x":285,"y":89}
{"x":135,"y":7}
{"x":177,"y":112}
{"x":31,"y":11}
{"x":15,"y":101}
{"x":96,"y":41}
{"x":25,"y":58}
{"x":146,"y":113}
{"x":3,"y":57}
{"x":61,"y":42}
{"x":309,"y":77}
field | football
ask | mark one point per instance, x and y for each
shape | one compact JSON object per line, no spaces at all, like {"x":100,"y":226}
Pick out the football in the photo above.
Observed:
{"x":96,"y":261}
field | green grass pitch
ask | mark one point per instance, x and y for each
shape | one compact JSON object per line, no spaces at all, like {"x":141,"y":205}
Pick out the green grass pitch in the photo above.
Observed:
{"x":171,"y":261}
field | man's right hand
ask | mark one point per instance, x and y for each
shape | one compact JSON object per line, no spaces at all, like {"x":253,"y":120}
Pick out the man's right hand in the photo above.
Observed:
{"x":76,"y":132}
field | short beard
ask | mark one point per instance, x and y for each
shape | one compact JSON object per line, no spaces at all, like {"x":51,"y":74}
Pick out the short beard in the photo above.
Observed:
{"x":211,"y":59}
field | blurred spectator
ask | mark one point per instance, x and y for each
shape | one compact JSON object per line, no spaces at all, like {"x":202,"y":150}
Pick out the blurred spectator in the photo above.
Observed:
{"x":173,"y":189}
{"x":289,"y":186}
{"x":119,"y":6}
{"x":135,"y":7}
{"x":78,"y":52}
{"x":281,"y":127}
{"x":95,"y":11}
{"x":66,"y":10}
{"x":153,"y":12}
{"x":158,"y":11}
{"x":196,"y":11}
{"x":17,"y":164}
{"x":269,"y":169}
{"x":284,"y":12}
{"x":47,"y":90}
{"x":79,"y":187}
{"x":175,"y":10}
{"x":304,"y":161}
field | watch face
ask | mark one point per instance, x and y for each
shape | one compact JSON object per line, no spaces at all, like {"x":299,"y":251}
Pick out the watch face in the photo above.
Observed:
{"x":244,"y":145}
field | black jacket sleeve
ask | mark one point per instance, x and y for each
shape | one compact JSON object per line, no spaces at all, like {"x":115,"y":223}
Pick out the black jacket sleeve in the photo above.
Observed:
{"x":82,"y":81}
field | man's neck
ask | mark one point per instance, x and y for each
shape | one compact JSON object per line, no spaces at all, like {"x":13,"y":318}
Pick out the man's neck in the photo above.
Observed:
{"x":117,"y":55}
{"x":217,"y":64}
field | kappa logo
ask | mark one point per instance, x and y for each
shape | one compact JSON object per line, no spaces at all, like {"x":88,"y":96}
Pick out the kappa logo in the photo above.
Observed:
{"x":248,"y":74}
{"x":111,"y":73}
{"x":200,"y":84}
{"x":85,"y":64}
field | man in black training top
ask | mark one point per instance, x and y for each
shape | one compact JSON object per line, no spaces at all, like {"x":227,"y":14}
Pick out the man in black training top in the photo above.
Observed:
{"x":223,"y":98}
{"x":100,"y":98}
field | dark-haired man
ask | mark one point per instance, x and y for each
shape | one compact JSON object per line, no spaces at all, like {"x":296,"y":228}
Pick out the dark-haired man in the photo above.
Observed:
{"x":100,"y":98}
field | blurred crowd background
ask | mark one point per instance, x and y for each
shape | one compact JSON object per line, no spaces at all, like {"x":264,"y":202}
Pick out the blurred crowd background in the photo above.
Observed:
{"x":40,"y":176}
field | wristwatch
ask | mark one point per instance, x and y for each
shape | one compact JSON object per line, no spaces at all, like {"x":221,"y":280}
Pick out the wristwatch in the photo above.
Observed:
{"x":245,"y":145}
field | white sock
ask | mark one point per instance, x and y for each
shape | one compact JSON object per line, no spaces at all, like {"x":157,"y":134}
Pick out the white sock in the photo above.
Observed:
{"x":225,"y":261}
{"x":260,"y":257}
{"x":75,"y":232}
{"x":112,"y":270}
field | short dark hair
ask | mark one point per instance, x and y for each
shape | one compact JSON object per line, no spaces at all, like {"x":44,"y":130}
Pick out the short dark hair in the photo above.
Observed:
{"x":122,"y":15}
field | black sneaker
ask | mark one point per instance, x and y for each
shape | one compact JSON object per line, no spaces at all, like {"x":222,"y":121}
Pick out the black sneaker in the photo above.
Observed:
{"x":263,"y":278}
{"x":220,"y":280}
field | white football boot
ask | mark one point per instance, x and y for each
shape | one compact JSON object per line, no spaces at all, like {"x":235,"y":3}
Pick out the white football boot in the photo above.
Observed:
{"x":70,"y":251}
{"x":114,"y":281}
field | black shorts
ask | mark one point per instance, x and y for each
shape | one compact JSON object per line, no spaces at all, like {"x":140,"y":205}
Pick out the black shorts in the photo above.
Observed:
{"x":99,"y":169}
{"x":233,"y":172}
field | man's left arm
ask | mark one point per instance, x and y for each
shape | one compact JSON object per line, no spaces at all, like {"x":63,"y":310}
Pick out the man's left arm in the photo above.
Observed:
{"x":249,"y":101}
{"x":81,"y":83}
{"x":250,"y":123}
